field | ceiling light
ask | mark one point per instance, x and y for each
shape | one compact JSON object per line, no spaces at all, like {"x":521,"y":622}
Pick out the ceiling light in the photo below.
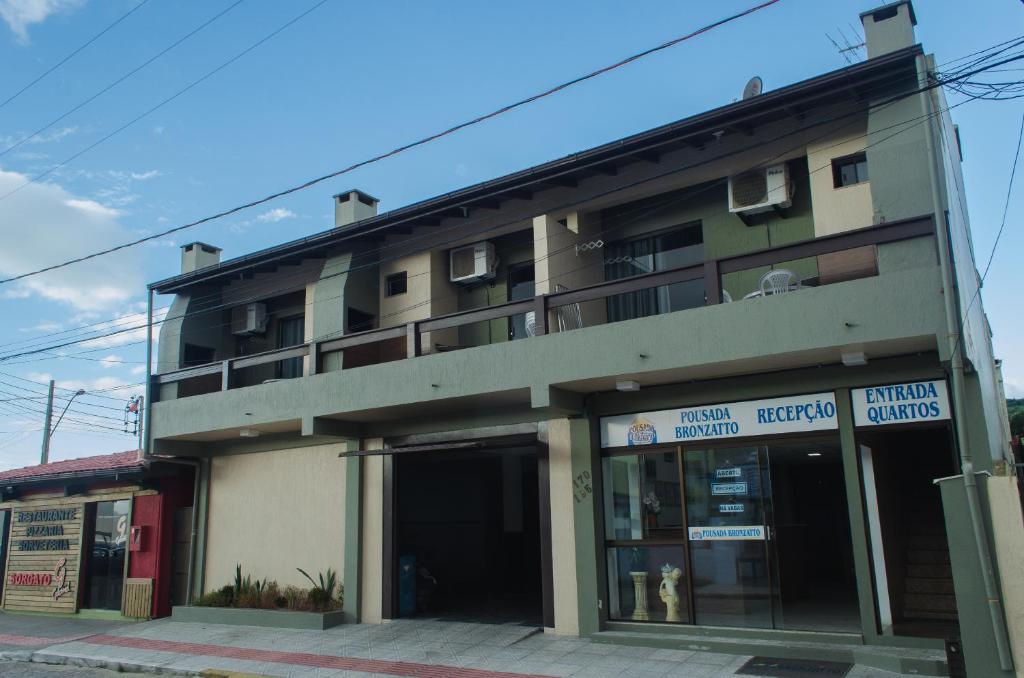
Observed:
{"x":854,"y":358}
{"x":249,"y":433}
{"x":814,"y":454}
{"x":627,"y":385}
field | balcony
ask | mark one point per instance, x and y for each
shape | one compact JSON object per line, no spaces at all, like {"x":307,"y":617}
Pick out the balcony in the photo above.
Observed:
{"x":892,"y":298}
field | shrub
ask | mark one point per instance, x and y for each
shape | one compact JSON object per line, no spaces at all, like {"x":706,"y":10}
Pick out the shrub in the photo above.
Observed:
{"x":321,"y":596}
{"x":220,"y":598}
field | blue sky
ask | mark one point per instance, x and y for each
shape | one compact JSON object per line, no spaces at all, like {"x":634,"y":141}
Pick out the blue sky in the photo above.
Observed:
{"x":346,"y":82}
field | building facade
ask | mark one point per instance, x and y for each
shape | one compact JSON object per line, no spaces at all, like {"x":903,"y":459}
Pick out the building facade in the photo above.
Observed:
{"x":694,"y":383}
{"x":105,"y":535}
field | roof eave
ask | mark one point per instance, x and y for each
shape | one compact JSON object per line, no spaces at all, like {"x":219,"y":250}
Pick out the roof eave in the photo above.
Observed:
{"x":837,"y":79}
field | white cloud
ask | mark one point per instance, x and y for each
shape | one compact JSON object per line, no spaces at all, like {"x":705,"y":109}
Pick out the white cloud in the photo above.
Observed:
{"x":43,"y":326}
{"x":110,"y":361}
{"x":92,"y":207}
{"x":142,"y":176}
{"x":276,"y":214}
{"x":45,"y":224}
{"x":158,"y":130}
{"x":110,"y":385}
{"x":20,"y":14}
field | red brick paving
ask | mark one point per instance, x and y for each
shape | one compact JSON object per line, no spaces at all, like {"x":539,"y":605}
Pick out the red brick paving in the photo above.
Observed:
{"x":395,"y":668}
{"x":8,"y":639}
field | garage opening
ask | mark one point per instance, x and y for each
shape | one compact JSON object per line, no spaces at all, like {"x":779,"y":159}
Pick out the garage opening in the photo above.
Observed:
{"x":468,"y":535}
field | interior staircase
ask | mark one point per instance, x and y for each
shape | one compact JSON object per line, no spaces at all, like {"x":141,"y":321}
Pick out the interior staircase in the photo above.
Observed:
{"x":928,"y":587}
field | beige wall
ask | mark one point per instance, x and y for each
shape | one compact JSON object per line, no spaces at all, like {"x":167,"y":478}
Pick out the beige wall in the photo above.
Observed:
{"x":428,"y":293}
{"x":372,"y":553}
{"x":563,"y":532}
{"x":558,"y":263}
{"x":1008,"y":528}
{"x":837,"y":209}
{"x":272,"y":512}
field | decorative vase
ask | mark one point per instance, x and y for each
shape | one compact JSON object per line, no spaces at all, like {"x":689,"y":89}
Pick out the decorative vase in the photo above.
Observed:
{"x":640,"y":612}
{"x":652,"y":520}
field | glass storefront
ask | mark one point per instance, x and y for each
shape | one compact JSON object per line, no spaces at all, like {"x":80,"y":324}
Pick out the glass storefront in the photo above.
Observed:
{"x":105,"y":567}
{"x":752,"y":535}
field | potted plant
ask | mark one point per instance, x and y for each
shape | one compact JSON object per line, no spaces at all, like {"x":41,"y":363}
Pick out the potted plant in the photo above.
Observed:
{"x":652,"y":506}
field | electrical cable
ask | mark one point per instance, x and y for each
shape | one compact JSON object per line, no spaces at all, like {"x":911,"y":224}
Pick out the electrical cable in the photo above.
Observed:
{"x":114,"y":84}
{"x":95,"y":324}
{"x":72,"y":54}
{"x":362,"y":163}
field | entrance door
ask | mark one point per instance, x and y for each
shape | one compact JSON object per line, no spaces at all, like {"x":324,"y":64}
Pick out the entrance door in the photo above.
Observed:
{"x":726,"y":505}
{"x":106,"y":554}
{"x":467,"y":536}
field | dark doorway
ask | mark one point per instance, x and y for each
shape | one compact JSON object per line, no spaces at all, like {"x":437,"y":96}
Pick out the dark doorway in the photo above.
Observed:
{"x":104,"y":552}
{"x":467,"y":536}
{"x":910,"y":552}
{"x":817,"y":586}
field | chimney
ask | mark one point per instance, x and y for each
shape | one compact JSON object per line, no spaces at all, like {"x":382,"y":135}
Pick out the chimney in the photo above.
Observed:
{"x":352,"y":206}
{"x":889,"y":28}
{"x":197,"y":255}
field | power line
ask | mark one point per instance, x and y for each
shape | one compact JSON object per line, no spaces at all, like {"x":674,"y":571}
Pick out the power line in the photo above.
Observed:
{"x":907,"y":123}
{"x":72,"y":54}
{"x":115,"y":83}
{"x":377,"y":158}
{"x":375,"y":263}
{"x":125,"y":319}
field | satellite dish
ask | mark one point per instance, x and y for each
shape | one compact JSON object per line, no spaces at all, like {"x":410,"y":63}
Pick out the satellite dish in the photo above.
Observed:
{"x":753,"y":88}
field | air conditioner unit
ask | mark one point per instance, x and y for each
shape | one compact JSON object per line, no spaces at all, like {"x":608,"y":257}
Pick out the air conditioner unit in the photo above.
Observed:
{"x":472,"y":263}
{"x":249,"y":319}
{"x":761,"y":190}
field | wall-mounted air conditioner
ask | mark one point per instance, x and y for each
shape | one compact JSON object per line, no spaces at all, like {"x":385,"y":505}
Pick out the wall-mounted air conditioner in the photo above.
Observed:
{"x":760,"y":190}
{"x":472,"y":263}
{"x":249,"y":319}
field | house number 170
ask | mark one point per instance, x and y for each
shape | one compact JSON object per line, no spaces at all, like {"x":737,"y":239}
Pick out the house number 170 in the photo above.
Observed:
{"x":581,"y":487}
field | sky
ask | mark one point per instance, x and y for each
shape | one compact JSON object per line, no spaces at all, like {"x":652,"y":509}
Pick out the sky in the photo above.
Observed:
{"x":345,"y":82}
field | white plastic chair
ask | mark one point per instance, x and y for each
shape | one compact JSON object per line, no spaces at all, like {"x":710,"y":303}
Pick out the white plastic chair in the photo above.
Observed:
{"x":726,"y":297}
{"x":569,"y":316}
{"x":531,"y":324}
{"x":779,"y":281}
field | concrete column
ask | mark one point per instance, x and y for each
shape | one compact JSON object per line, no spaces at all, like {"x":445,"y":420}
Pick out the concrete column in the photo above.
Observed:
{"x":351,"y":576}
{"x":371,"y":558}
{"x":573,"y":542}
{"x":854,"y":505}
{"x":1008,"y":526}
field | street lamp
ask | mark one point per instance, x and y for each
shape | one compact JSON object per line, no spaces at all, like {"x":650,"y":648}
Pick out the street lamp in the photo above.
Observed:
{"x":48,"y":431}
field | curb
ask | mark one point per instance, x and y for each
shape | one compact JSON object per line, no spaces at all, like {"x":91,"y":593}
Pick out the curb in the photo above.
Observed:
{"x":43,"y":657}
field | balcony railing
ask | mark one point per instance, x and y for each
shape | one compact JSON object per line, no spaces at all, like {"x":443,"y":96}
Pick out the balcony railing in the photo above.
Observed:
{"x":410,"y":334}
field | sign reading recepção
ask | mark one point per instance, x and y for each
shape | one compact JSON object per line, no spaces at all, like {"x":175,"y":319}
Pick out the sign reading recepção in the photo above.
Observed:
{"x":900,"y":403}
{"x":815,"y":412}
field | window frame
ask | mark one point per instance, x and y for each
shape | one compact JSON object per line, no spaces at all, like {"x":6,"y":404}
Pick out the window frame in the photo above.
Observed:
{"x":854,"y":159}
{"x":399,"y":276}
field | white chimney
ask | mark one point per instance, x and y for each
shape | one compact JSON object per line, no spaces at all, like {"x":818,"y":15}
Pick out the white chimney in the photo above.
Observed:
{"x":352,"y":206}
{"x":198,"y":255}
{"x":889,"y":28}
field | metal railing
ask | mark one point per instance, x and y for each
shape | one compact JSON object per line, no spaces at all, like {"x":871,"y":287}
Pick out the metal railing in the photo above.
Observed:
{"x":710,"y":272}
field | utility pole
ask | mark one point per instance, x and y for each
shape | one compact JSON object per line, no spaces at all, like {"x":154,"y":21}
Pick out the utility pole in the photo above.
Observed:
{"x":44,"y":457}
{"x":48,"y":432}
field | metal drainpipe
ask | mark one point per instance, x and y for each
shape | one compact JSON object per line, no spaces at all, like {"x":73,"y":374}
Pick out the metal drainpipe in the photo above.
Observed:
{"x":981,"y":543}
{"x":147,"y":406}
{"x":194,"y":463}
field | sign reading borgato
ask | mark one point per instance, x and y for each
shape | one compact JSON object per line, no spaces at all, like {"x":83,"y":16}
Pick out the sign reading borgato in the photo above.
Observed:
{"x":815,"y":412}
{"x":900,"y":403}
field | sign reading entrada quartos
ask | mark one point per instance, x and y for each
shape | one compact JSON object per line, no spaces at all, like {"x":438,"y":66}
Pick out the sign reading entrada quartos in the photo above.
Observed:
{"x":900,"y":403}
{"x":772,"y":416}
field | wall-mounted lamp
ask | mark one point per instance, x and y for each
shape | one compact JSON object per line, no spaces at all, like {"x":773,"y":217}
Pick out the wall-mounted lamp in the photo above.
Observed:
{"x":627,"y":385}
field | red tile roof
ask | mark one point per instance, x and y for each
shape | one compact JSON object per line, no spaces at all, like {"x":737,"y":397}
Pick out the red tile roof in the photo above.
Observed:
{"x":120,"y":461}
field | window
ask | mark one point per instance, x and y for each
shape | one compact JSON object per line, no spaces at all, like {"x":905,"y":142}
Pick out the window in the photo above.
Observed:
{"x":676,"y":248}
{"x":396,"y":283}
{"x":290,"y":332}
{"x":520,"y":286}
{"x":853,"y":169}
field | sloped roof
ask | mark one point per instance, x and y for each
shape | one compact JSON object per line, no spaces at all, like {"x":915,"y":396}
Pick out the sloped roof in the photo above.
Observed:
{"x":99,"y":465}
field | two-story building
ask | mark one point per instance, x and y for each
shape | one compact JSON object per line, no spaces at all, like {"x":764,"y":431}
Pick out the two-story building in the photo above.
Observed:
{"x":690,"y":386}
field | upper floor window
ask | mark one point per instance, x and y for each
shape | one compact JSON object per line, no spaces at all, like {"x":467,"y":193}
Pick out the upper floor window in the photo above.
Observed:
{"x":396,"y":283}
{"x":850,"y":170}
{"x":673,"y":248}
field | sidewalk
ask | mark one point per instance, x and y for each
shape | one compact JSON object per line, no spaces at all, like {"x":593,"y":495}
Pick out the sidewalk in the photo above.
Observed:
{"x":407,"y":648}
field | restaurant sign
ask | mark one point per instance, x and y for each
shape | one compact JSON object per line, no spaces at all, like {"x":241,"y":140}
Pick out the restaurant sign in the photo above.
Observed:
{"x":900,"y":403}
{"x":773,"y":416}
